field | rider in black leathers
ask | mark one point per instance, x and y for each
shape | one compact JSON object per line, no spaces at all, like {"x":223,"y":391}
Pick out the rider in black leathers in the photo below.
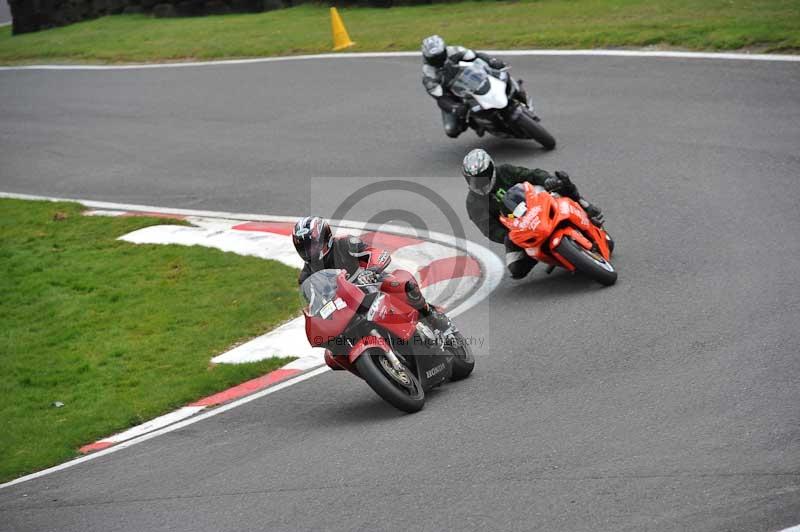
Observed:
{"x":314,"y":241}
{"x":436,"y":55}
{"x":488,"y":185}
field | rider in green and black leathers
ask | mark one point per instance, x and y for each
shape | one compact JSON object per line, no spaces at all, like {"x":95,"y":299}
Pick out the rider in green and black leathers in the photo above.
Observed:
{"x":488,"y":185}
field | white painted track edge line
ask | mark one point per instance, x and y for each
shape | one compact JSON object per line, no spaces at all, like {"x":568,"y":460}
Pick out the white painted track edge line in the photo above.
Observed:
{"x":169,"y":428}
{"x":377,"y":55}
{"x":490,"y":279}
{"x":795,"y":528}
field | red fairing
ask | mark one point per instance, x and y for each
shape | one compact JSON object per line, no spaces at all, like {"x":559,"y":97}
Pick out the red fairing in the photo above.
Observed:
{"x":395,"y":312}
{"x":319,"y":330}
{"x":378,"y":259}
{"x":337,"y":362}
{"x":542,"y":227}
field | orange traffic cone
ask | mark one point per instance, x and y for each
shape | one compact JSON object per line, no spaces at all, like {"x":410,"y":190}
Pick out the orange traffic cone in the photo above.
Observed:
{"x":341,"y":39}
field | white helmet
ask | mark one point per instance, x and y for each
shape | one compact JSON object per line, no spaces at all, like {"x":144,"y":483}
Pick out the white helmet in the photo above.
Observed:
{"x":478,"y":170}
{"x":434,"y":50}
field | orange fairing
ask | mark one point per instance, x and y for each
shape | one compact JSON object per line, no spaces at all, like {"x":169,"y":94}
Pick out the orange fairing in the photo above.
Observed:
{"x":534,"y":227}
{"x":548,"y":219}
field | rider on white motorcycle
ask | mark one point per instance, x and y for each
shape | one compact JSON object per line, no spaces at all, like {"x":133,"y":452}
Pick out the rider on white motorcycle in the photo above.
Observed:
{"x":436,"y":55}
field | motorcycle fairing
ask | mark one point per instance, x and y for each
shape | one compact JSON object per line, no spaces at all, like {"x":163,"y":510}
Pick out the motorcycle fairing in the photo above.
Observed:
{"x":337,"y":362}
{"x":395,"y":316}
{"x":379,"y":260}
{"x":394,"y":321}
{"x":432,"y":369}
{"x":495,"y":98}
{"x":395,"y":313}
{"x":549,"y":219}
{"x":320,"y":330}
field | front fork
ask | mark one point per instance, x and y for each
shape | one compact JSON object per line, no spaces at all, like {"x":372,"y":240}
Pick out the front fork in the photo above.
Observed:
{"x":391,"y":356}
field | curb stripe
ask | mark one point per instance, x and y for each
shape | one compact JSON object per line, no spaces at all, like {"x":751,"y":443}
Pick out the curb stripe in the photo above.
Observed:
{"x":248,"y":387}
{"x":279,"y":228}
{"x":449,"y":268}
{"x":388,"y":241}
{"x":96,"y":446}
{"x":225,"y":396}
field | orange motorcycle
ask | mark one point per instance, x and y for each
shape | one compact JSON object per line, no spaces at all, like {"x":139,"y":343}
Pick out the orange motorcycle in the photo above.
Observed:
{"x":556,"y":230}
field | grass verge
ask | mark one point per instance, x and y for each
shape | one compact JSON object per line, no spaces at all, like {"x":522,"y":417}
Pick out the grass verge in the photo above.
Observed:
{"x":118,"y":332}
{"x":769,"y":25}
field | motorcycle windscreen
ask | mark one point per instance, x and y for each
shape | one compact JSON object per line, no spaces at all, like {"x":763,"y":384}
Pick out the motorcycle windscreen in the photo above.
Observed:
{"x":331,"y":305}
{"x":319,"y":292}
{"x":472,"y":79}
{"x":495,"y":96}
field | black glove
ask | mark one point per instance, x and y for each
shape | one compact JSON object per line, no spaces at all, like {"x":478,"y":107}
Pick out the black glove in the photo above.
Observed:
{"x":367,"y":277}
{"x":594,"y":212}
{"x":450,"y":104}
{"x":562,"y":184}
{"x":495,"y":63}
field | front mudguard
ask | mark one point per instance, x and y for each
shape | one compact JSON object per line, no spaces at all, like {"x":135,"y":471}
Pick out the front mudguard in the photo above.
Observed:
{"x":366,"y":343}
{"x":337,"y":362}
{"x":347,"y":362}
{"x":575,"y":235}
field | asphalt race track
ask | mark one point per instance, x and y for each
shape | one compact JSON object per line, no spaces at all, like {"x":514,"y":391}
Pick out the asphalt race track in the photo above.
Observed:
{"x":666,"y":402}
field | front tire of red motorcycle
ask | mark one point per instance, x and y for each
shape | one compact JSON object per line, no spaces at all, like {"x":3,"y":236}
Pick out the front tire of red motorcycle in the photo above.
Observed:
{"x":532,"y":128}
{"x":589,"y":263}
{"x":372,"y":370}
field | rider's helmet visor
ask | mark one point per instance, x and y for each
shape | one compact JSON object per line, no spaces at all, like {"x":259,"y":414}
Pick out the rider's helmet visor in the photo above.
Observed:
{"x":481,"y":184}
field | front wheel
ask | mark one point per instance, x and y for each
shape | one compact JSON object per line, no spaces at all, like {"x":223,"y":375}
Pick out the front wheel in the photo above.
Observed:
{"x":401,"y":389}
{"x":589,"y":263}
{"x":535,"y":131}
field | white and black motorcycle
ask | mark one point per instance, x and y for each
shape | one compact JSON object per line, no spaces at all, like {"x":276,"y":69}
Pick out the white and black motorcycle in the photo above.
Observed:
{"x":495,"y":104}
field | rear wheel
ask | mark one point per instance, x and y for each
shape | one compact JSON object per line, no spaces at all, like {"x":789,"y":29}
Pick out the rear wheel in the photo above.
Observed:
{"x":535,"y":131}
{"x":589,"y":263}
{"x":401,"y":389}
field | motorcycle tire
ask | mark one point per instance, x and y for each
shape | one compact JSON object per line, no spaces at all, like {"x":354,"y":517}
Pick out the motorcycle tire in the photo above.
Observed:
{"x":463,"y":360}
{"x":377,"y":374}
{"x":589,"y":263}
{"x":535,"y":131}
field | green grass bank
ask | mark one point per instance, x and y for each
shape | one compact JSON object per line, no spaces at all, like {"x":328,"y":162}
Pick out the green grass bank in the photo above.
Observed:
{"x":762,"y":25}
{"x":118,"y":332}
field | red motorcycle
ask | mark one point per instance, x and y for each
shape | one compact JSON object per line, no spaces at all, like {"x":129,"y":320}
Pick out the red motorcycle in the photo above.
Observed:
{"x":372,"y":331}
{"x":555,"y":230}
